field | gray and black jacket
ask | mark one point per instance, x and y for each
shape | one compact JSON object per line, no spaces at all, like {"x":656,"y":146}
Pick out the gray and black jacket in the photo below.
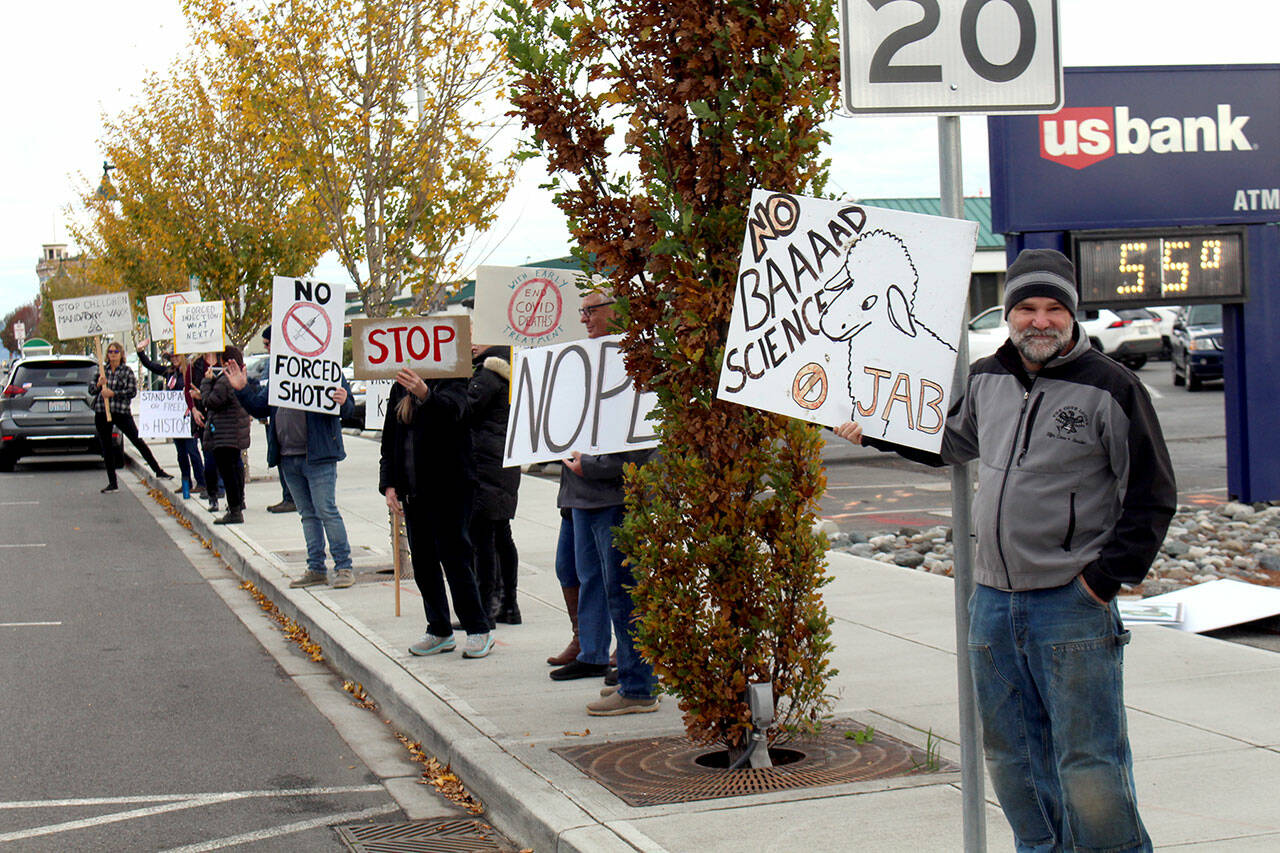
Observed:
{"x":1073,"y":474}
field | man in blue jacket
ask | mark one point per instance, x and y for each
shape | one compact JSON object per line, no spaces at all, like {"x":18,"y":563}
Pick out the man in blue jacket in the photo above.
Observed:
{"x":308,"y":447}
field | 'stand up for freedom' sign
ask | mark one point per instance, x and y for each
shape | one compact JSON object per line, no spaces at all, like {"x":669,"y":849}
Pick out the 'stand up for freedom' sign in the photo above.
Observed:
{"x":163,"y":414}
{"x":87,"y":316}
{"x":843,"y":312}
{"x":575,"y":396}
{"x":306,"y":344}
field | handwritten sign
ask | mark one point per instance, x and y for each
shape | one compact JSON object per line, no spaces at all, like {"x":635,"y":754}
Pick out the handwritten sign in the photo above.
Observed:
{"x":844,"y":312}
{"x":306,"y":351}
{"x":199,"y":327}
{"x":377,"y":392}
{"x":160,"y":312}
{"x":433,"y":347}
{"x":575,"y":396}
{"x":163,"y":414}
{"x":87,"y":316}
{"x":527,"y":306}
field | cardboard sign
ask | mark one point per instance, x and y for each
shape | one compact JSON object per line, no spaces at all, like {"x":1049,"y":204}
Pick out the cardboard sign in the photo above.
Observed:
{"x":163,"y":414}
{"x":843,"y":312}
{"x":199,"y":327}
{"x":433,"y":347}
{"x":306,"y":344}
{"x":87,"y":316}
{"x":526,"y":306}
{"x":575,"y":396}
{"x":160,"y":312}
{"x":377,"y":392}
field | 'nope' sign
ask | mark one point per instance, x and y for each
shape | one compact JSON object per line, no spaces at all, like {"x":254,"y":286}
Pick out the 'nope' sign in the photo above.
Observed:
{"x":306,"y":344}
{"x":433,"y":347}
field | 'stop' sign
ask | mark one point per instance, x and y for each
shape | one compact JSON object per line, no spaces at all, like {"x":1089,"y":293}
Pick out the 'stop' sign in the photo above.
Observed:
{"x":1143,"y":147}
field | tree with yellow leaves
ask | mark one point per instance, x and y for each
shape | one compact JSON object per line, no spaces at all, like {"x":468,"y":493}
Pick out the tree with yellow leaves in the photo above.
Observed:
{"x":199,"y":192}
{"x":399,"y":190}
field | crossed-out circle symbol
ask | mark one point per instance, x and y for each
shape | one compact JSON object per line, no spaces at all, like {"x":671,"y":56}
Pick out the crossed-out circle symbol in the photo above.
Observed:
{"x":301,"y":335}
{"x":535,"y":308}
{"x":809,"y":388}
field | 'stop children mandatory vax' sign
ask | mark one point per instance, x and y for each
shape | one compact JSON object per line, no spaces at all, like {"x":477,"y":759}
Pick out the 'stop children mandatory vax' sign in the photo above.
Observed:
{"x":843,"y":312}
{"x":306,"y":351}
{"x":86,"y":316}
{"x":526,"y":306}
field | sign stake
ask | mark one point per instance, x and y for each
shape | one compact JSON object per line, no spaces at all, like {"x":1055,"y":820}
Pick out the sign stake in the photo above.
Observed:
{"x":395,"y":550}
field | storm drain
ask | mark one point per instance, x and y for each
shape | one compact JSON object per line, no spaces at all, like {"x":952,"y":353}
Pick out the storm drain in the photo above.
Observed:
{"x":427,"y":836}
{"x":657,"y":771}
{"x":359,"y":554}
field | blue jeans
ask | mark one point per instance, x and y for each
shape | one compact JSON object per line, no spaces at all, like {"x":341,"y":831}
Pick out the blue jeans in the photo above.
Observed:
{"x":573,"y":553}
{"x":190,"y":461}
{"x":594,"y":550}
{"x":313,"y":485}
{"x":566,"y":573}
{"x":1047,"y":670}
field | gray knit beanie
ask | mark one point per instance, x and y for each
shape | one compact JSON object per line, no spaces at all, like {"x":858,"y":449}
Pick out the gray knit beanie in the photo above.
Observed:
{"x":1040,"y":272}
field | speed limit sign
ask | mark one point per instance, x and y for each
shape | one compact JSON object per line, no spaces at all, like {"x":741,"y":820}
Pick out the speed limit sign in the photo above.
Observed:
{"x":950,"y":56}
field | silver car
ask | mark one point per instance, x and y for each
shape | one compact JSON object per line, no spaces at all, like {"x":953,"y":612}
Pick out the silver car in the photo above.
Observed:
{"x":45,"y":406}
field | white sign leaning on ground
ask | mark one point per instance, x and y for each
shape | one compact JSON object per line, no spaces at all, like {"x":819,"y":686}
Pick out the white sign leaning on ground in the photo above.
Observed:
{"x":306,"y":344}
{"x":163,"y":414}
{"x":160,"y":312}
{"x":199,"y":327}
{"x":575,"y":396}
{"x":526,"y":306}
{"x":377,"y":392}
{"x":87,"y":316}
{"x":433,"y":347}
{"x":843,"y":312}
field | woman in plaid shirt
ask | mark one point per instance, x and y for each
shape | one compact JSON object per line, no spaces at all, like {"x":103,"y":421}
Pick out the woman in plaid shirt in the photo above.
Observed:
{"x":116,"y":387}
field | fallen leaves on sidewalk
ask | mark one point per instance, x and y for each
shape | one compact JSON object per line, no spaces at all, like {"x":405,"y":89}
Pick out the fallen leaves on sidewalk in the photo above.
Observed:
{"x":292,"y":629}
{"x":442,"y":778}
{"x":356,"y":689}
{"x":583,"y":733}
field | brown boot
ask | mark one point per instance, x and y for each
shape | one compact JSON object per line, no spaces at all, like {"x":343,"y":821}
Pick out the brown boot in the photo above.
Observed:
{"x":570,"y":652}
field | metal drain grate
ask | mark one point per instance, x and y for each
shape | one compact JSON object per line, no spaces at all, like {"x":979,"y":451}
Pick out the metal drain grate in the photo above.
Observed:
{"x":426,"y":836}
{"x":359,"y":553}
{"x":665,"y":770}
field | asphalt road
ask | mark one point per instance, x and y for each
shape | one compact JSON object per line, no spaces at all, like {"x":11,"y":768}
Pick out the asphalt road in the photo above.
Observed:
{"x":872,"y":492}
{"x":138,"y":711}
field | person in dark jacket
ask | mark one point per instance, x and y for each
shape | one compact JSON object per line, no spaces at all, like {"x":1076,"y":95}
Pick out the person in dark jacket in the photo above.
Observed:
{"x":497,"y":488}
{"x":197,"y":369}
{"x":115,"y":387}
{"x":173,"y":368}
{"x":1075,"y":494}
{"x":427,"y":474}
{"x":226,"y":431}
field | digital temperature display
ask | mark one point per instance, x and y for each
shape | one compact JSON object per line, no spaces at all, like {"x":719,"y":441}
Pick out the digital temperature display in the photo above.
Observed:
{"x":1178,"y":266}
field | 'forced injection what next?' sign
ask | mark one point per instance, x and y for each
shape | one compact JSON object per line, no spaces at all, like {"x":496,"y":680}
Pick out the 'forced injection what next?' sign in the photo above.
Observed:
{"x":306,"y":344}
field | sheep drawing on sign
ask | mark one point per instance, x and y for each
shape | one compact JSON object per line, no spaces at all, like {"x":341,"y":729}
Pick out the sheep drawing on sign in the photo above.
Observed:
{"x":875,"y":287}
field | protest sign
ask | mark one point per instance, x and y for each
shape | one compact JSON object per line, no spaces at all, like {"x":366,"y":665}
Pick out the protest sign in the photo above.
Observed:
{"x":526,"y":306}
{"x":843,"y":312}
{"x":377,"y":392}
{"x":433,"y":347}
{"x":199,"y":327}
{"x":163,"y":414}
{"x":575,"y":396}
{"x":160,"y":312}
{"x":306,"y":338}
{"x":86,"y":316}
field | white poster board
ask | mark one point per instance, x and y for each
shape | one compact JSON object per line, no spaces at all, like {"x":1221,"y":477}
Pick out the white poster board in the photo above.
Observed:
{"x":433,"y":347}
{"x":87,"y":316}
{"x":575,"y":396}
{"x":160,"y":312}
{"x":306,"y":344}
{"x":843,"y":312}
{"x":526,"y":306}
{"x":199,"y":327}
{"x":377,"y":392}
{"x":163,"y":414}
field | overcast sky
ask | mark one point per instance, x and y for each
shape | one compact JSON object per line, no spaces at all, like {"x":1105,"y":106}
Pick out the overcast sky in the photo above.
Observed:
{"x":66,"y":62}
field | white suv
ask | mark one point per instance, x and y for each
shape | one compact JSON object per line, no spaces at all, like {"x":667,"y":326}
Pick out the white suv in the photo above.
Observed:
{"x":1129,"y":335}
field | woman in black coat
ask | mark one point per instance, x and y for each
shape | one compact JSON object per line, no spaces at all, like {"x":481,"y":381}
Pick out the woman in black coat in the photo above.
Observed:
{"x":226,"y":430}
{"x":497,"y":488}
{"x":426,"y":473}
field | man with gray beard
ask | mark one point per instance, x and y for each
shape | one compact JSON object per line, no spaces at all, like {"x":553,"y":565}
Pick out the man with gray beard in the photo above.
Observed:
{"x":1075,"y":493}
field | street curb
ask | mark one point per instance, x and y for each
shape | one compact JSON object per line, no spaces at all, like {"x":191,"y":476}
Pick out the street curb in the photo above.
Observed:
{"x":518,"y":801}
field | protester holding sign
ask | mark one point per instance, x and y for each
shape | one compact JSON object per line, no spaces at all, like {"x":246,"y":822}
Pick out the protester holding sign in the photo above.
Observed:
{"x":115,"y":387}
{"x":174,"y":372}
{"x":427,"y":474}
{"x":226,"y":431}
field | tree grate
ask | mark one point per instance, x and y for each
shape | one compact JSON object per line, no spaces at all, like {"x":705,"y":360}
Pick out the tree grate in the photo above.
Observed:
{"x":659,"y":771}
{"x":426,"y":836}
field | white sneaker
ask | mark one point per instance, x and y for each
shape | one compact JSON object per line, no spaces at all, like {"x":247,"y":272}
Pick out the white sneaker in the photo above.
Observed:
{"x":478,"y":645}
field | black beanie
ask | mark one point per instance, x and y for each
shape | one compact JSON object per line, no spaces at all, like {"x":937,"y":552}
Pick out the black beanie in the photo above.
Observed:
{"x":1040,"y":272}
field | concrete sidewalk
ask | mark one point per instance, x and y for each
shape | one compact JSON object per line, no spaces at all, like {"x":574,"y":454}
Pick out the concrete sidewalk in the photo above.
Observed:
{"x":1202,"y":712}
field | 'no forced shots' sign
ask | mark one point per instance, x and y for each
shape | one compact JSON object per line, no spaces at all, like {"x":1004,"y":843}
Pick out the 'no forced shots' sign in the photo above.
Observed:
{"x":433,"y":347}
{"x":526,"y":306}
{"x":306,"y":351}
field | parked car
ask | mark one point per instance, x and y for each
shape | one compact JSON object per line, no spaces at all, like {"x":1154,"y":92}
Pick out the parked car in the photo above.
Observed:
{"x":1129,"y":335}
{"x":987,"y":332}
{"x":1196,"y":346}
{"x":1167,"y":315}
{"x":45,"y":406}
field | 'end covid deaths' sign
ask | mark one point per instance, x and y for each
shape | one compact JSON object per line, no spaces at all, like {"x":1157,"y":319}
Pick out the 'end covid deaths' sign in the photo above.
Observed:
{"x":306,"y":344}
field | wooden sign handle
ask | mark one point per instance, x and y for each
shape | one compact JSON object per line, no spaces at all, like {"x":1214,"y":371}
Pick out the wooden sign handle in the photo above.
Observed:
{"x":395,"y":550}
